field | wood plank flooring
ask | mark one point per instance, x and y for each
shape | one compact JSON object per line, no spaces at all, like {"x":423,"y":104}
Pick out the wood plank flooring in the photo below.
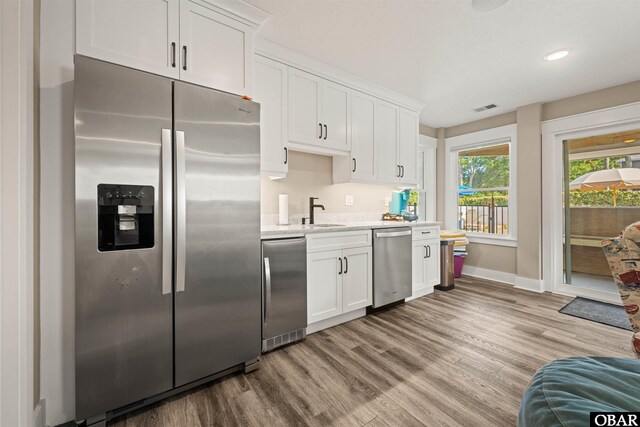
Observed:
{"x":456,"y":358}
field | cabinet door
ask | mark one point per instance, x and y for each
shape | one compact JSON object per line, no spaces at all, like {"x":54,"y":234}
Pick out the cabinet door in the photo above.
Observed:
{"x":334,"y":113}
{"x":215,"y":51}
{"x":418,"y":264}
{"x":357,"y":282}
{"x":324,"y":285}
{"x":138,"y":34}
{"x":363,"y":148}
{"x":408,"y":147}
{"x":432,"y":265}
{"x":304,"y":117}
{"x":270,"y":90}
{"x":387,"y":142}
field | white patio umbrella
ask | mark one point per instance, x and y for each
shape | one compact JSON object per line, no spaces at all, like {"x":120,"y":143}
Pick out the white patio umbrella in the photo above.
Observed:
{"x":608,"y":179}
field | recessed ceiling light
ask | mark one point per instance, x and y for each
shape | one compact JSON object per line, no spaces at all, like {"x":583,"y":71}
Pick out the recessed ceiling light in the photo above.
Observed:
{"x":629,"y":141}
{"x":554,"y":56}
{"x":485,"y":5}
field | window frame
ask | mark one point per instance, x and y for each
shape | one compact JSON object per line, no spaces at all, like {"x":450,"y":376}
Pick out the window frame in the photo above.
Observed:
{"x":485,"y":138}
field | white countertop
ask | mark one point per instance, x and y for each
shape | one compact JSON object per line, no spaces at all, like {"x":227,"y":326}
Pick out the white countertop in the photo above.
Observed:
{"x":274,"y":231}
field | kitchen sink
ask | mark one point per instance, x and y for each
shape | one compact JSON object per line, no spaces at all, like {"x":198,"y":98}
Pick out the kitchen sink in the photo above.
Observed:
{"x":326,"y":225}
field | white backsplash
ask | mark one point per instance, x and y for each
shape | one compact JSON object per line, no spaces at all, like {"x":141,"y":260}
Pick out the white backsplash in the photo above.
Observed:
{"x":325,"y":218}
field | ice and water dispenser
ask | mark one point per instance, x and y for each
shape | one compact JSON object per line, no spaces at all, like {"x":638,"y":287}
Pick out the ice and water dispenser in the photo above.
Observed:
{"x":125,"y":217}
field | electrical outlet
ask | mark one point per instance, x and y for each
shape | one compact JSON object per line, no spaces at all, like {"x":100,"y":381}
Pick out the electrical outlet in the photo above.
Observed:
{"x":387,"y":200}
{"x":348,"y":200}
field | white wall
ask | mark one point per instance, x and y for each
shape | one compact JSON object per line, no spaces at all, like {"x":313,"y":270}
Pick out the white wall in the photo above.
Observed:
{"x":16,"y":212}
{"x":57,"y":210}
{"x":310,"y":175}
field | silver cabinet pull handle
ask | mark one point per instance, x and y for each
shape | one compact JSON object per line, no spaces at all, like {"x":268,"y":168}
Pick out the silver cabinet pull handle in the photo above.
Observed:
{"x":394,"y":234}
{"x":181,"y":211}
{"x":267,"y":285}
{"x":167,"y":213}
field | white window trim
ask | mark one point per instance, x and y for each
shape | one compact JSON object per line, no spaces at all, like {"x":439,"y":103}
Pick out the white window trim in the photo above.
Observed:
{"x":503,"y":134}
{"x":608,"y":120}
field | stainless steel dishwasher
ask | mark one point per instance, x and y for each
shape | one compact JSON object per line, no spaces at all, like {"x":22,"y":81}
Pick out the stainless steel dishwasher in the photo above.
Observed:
{"x":284,"y":291}
{"x":391,"y":265}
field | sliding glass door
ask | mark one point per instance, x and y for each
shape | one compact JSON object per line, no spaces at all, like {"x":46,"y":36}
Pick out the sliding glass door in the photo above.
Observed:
{"x":600,"y":198}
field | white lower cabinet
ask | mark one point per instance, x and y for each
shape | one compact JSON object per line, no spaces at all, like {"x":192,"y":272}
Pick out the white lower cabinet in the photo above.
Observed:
{"x":432,"y":263}
{"x":425,"y":263}
{"x":324,"y":285}
{"x":419,"y":280}
{"x":357,"y":280}
{"x":339,"y":281}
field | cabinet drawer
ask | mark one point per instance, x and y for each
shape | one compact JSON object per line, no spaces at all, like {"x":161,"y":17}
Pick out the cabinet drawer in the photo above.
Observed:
{"x":340,"y":240}
{"x":424,"y":233}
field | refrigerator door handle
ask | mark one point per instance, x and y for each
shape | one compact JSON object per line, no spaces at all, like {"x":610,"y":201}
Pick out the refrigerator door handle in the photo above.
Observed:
{"x":267,"y":291}
{"x":167,"y":213}
{"x":181,"y":210}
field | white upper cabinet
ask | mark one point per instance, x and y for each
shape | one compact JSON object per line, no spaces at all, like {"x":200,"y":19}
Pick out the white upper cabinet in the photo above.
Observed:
{"x":141,"y":34}
{"x":361,"y":166}
{"x":334,"y":113}
{"x":304,"y":108}
{"x":318,"y":113}
{"x":397,"y":144}
{"x":371,"y":132}
{"x":270,"y":90}
{"x":215,"y":51}
{"x":408,"y":147}
{"x":387,"y":142}
{"x":207,"y":42}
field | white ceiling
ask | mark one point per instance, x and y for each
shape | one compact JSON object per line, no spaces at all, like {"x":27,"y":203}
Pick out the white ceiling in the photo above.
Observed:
{"x":455,"y":59}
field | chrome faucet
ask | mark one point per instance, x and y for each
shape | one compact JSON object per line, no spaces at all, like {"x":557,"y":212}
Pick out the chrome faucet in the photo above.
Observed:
{"x":312,"y":206}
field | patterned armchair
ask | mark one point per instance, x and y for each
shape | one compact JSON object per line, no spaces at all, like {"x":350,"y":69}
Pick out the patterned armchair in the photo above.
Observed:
{"x":623,"y":255}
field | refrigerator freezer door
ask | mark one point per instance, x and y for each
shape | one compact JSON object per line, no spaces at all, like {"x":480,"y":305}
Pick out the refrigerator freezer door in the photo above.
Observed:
{"x":123,"y":317}
{"x":284,"y":286}
{"x":217,"y":311}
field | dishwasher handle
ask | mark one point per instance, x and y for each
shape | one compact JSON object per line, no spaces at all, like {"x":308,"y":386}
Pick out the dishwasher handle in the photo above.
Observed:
{"x":393,"y":233}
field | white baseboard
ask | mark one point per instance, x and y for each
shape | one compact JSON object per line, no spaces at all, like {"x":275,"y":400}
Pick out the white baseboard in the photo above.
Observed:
{"x":518,"y":282}
{"x":333,"y":321}
{"x":534,"y":285}
{"x":38,"y":414}
{"x":483,"y":273}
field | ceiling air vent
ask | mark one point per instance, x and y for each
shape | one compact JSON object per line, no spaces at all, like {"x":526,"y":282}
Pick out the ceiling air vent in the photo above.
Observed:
{"x":484,"y":108}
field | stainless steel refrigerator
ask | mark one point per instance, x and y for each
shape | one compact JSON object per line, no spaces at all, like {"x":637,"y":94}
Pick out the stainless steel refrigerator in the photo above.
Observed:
{"x":168,"y":271}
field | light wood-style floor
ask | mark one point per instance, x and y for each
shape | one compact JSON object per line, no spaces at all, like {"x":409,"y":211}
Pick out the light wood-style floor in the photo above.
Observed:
{"x":457,"y":358}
